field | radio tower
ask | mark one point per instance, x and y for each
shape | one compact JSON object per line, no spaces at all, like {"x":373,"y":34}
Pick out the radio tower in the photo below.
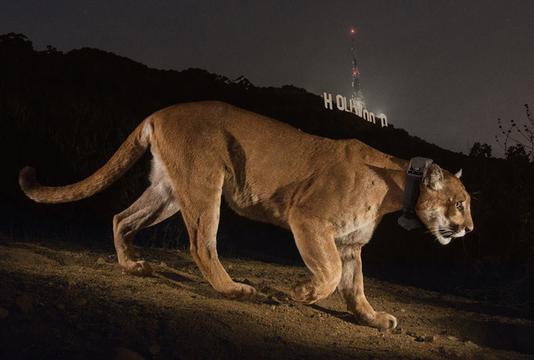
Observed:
{"x":357,"y":95}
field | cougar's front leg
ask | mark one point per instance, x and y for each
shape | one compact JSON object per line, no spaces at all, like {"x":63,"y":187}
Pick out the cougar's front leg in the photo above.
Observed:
{"x":315,"y":242}
{"x":351,"y":288}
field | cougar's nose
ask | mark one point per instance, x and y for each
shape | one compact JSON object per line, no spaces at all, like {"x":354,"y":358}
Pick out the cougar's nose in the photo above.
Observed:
{"x":468,"y":229}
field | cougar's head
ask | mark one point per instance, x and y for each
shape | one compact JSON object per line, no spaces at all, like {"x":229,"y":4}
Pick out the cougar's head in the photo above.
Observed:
{"x":444,"y":206}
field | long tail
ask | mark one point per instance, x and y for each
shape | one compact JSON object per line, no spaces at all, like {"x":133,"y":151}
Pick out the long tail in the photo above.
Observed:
{"x":127,"y":154}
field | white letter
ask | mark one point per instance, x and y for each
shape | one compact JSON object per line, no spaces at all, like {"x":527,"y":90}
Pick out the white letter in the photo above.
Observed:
{"x":365,"y":114}
{"x":359,"y":110}
{"x":339,"y":102}
{"x":383,"y":120}
{"x":327,"y":101}
{"x":352,"y":106}
{"x":372,"y":117}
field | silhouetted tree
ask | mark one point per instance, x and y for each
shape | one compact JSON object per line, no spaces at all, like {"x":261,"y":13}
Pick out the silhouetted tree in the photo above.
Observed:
{"x":13,"y":43}
{"x":479,"y":150}
{"x":517,"y":153}
{"x":514,"y":134}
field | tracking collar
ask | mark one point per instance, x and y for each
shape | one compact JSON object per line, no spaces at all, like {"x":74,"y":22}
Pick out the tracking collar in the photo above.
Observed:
{"x":414,"y":174}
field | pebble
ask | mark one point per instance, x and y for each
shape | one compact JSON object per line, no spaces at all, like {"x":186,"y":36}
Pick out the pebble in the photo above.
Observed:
{"x":3,"y":313}
{"x":24,"y":303}
{"x":163,"y":264}
{"x":100,"y":261}
{"x":273,"y":300}
{"x":470,"y":343}
{"x":453,"y":338}
{"x":429,"y":338}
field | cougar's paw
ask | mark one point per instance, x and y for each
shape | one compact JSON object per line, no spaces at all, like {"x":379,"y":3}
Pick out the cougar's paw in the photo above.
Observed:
{"x":384,"y":321}
{"x":304,"y":293}
{"x":139,"y":268}
{"x":239,"y":291}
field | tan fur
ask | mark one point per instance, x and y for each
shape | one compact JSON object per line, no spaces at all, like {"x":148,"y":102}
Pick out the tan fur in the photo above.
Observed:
{"x":330,"y":193}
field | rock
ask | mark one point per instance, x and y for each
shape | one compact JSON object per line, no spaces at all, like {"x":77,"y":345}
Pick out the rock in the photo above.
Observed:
{"x":397,"y":330}
{"x":163,"y":264}
{"x":122,"y":353}
{"x":471,"y":344}
{"x":3,"y":313}
{"x":154,"y":349}
{"x":100,"y":261}
{"x":411,"y":333}
{"x":24,"y":303}
{"x":272,"y":300}
{"x":452,"y":338}
{"x":420,"y":338}
{"x":429,"y":338}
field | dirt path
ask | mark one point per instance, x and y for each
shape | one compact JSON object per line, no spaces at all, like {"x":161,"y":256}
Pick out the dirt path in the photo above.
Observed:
{"x":58,"y":301}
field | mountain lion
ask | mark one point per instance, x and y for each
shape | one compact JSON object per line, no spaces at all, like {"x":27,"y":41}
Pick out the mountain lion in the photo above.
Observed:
{"x":330,"y":193}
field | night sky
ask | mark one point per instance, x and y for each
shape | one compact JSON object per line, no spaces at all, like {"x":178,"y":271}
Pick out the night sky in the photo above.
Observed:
{"x":443,"y":70}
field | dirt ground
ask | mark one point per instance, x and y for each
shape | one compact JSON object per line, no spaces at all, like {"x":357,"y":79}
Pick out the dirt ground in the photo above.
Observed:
{"x":58,"y":300}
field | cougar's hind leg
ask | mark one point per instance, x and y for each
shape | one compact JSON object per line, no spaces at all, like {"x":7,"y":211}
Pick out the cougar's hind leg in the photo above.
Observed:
{"x":201,"y":208}
{"x":316,"y":244}
{"x":155,"y":205}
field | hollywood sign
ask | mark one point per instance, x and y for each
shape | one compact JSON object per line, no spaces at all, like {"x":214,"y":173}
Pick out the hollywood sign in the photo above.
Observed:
{"x":351,"y":106}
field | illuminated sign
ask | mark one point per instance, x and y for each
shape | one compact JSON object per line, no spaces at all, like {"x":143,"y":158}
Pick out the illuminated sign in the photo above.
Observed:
{"x":352,"y":106}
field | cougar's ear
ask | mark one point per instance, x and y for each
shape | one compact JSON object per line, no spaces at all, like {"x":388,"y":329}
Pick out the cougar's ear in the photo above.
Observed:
{"x":433,"y":177}
{"x":458,"y":174}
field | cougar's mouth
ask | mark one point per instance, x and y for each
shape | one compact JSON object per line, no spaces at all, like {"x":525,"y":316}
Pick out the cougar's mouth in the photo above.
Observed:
{"x":444,"y":235}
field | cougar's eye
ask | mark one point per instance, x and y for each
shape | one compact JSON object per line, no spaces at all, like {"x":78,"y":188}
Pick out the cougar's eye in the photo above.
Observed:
{"x":460,"y":206}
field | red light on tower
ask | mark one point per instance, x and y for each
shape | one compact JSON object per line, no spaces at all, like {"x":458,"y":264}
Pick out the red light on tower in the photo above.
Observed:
{"x":353,"y":30}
